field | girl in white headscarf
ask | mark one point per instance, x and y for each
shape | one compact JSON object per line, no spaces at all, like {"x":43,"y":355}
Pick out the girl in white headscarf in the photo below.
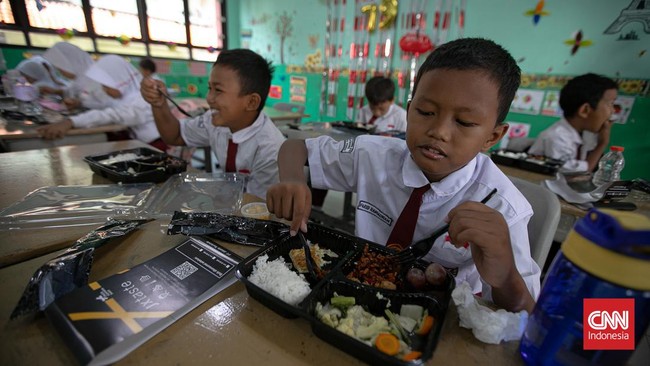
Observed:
{"x":73,"y":63}
{"x":38,"y":73}
{"x":121,"y":81}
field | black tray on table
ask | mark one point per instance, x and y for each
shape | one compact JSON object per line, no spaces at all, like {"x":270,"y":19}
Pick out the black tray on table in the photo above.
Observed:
{"x":522,"y":160}
{"x":137,"y":165}
{"x":374,"y":299}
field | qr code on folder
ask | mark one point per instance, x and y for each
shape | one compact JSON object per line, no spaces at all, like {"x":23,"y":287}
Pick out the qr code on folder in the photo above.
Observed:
{"x":184,"y":270}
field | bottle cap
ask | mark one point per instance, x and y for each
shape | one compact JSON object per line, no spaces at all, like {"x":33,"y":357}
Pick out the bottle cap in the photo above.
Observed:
{"x":617,"y":148}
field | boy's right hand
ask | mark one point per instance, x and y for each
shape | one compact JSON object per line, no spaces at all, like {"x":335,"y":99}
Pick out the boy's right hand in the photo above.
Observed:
{"x":152,"y":90}
{"x":71,"y":103}
{"x":605,"y":132}
{"x":291,"y":201}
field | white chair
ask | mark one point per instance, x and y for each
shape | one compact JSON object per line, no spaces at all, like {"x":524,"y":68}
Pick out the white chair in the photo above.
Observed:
{"x":291,"y":107}
{"x":546,"y":216}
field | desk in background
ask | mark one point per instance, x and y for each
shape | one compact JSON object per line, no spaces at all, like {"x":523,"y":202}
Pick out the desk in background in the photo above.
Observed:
{"x":22,"y":135}
{"x":26,"y":171}
{"x":570,"y":213}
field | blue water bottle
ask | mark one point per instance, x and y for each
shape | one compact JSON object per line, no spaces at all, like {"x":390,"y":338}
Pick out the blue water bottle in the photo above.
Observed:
{"x":596,"y":291}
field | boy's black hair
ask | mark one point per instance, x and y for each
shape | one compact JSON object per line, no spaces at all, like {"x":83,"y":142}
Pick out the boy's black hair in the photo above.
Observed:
{"x":148,"y":64}
{"x":482,"y":55}
{"x":253,"y":70}
{"x":380,"y":89}
{"x":587,"y":88}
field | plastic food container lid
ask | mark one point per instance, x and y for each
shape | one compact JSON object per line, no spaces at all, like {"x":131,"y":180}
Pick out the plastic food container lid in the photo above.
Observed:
{"x":256,"y":210}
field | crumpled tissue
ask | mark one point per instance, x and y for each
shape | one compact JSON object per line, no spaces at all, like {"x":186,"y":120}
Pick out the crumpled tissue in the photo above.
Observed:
{"x":487,"y":325}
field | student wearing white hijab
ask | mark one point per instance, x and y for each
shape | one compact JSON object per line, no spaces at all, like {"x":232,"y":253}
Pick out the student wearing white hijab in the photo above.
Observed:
{"x":73,"y":63}
{"x":121,"y":81}
{"x":37,"y":73}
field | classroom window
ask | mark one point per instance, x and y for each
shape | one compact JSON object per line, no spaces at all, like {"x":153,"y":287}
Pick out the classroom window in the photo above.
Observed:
{"x":205,"y":23}
{"x":166,"y":32}
{"x":6,"y":15}
{"x":56,"y":14}
{"x":113,"y":18}
{"x":166,"y":23}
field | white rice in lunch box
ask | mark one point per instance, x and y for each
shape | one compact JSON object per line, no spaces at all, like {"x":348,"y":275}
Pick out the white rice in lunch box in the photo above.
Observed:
{"x":277,"y":279}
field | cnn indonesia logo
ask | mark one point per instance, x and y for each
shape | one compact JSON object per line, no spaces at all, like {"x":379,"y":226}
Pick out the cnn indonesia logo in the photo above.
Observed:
{"x":608,"y":324}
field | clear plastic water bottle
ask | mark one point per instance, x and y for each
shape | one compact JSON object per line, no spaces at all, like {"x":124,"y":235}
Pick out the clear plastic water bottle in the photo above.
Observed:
{"x":605,"y":260}
{"x":610,"y":166}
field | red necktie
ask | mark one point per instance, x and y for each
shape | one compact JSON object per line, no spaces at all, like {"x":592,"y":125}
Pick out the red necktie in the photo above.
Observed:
{"x":231,"y":167}
{"x":578,"y":152}
{"x":372,"y":120}
{"x":402,"y":233}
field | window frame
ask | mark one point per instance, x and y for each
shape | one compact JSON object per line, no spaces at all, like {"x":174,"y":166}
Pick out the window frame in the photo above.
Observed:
{"x":21,"y":19}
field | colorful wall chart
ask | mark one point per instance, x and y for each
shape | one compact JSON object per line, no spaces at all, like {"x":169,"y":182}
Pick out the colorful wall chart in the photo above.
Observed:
{"x":527,"y":101}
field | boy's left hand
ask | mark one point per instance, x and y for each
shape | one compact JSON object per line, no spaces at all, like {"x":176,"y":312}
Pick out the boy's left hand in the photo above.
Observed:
{"x":487,"y":233}
{"x":56,"y":130}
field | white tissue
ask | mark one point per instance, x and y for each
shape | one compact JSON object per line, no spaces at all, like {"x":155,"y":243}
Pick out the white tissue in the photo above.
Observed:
{"x":487,"y":325}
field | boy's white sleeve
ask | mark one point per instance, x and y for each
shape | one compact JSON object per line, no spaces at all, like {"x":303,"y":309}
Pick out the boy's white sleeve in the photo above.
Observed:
{"x":559,"y":148}
{"x":264,"y":170}
{"x":332,"y":163}
{"x":95,"y":98}
{"x":400,"y":120}
{"x":124,"y":115}
{"x":194,"y":130}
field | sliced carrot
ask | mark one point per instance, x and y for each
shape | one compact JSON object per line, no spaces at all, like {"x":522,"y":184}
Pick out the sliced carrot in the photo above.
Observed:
{"x":412,"y":356}
{"x":387,"y":343}
{"x":427,"y":324}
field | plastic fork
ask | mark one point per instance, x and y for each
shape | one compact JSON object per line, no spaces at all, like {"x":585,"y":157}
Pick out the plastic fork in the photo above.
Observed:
{"x":422,"y":247}
{"x":308,"y":258}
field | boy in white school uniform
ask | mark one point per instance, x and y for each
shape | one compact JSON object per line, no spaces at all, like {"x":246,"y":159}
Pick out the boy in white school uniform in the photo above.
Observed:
{"x":461,"y":96}
{"x":242,"y":136}
{"x":580,"y":138}
{"x":381,"y":113}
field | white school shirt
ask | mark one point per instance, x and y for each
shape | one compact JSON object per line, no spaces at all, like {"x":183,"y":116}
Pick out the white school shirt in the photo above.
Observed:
{"x":136,"y":114}
{"x":393,"y":120}
{"x":130,"y":109}
{"x":561,"y":141}
{"x":382,"y":172}
{"x":257,"y":150}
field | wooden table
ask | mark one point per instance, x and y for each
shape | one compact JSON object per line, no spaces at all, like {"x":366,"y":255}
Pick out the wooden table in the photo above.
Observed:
{"x":22,"y":135}
{"x":26,"y":171}
{"x":230,"y":328}
{"x":567,"y":208}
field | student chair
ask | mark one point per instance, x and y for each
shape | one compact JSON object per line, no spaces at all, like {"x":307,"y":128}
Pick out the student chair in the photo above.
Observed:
{"x":291,"y":107}
{"x":546,"y":216}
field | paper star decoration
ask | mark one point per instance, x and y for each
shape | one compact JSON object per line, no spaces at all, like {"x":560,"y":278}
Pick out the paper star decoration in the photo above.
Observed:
{"x":537,"y":13}
{"x":577,"y":42}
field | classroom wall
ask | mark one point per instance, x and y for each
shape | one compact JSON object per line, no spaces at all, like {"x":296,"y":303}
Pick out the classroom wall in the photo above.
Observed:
{"x":543,"y":51}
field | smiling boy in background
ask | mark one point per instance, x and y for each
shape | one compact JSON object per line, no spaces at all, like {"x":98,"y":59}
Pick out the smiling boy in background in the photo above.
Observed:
{"x":241,"y":135}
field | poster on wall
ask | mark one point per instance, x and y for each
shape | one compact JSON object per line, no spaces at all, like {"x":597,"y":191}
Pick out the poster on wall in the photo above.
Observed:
{"x":551,"y":105}
{"x":275,"y":92}
{"x":246,"y":36}
{"x":162,"y":66}
{"x":527,"y":101}
{"x":298,"y":89}
{"x":516,"y":130}
{"x":198,"y":68}
{"x":622,"y":108}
